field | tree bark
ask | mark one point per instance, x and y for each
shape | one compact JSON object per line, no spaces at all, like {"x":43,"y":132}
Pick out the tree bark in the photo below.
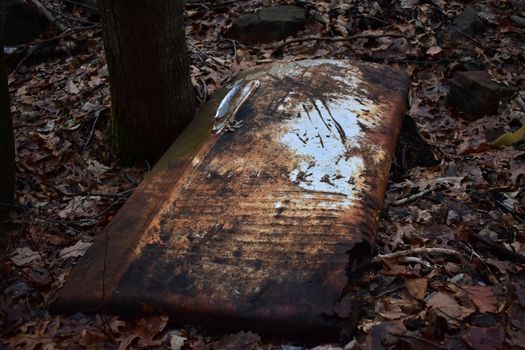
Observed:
{"x":152,"y":97}
{"x":7,"y":148}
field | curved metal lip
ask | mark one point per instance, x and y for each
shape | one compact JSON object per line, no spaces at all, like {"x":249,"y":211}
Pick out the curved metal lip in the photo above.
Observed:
{"x":232,"y":102}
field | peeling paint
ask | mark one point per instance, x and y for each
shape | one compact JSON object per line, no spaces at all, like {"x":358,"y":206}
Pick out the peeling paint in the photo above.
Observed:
{"x":258,"y":228}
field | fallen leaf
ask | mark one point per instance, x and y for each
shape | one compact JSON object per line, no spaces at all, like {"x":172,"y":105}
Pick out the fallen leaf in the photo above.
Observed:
{"x":379,"y":332}
{"x":510,"y":138}
{"x":392,"y":315}
{"x":96,"y":167}
{"x":447,"y":306}
{"x":21,"y":91}
{"x":483,"y":297}
{"x":434,"y":50}
{"x":485,"y":338}
{"x":146,"y":331}
{"x":72,"y":88}
{"x":417,"y":287}
{"x":24,"y":256}
{"x":79,"y":206}
{"x":409,"y":4}
{"x":242,"y":340}
{"x":89,"y":107}
{"x":176,"y":340}
{"x":76,"y":250}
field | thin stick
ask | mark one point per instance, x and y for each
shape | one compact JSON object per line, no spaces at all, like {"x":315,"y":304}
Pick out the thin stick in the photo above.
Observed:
{"x":415,"y":251}
{"x":423,"y":340}
{"x":338,"y":38}
{"x":92,"y":131}
{"x":32,"y":48}
{"x":470,"y":38}
{"x":500,"y":250}
{"x":413,"y":197}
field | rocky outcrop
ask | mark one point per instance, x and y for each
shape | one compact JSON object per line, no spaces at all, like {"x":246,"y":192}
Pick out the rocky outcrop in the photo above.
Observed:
{"x":269,"y":24}
{"x":476,"y":94}
{"x":468,"y":22}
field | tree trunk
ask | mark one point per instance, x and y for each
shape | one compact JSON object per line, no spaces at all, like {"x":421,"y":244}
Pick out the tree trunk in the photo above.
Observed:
{"x":7,"y":148}
{"x":152,"y":97}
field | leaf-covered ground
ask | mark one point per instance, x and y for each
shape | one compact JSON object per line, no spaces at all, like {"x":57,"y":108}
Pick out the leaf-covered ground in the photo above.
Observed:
{"x":451,"y":238}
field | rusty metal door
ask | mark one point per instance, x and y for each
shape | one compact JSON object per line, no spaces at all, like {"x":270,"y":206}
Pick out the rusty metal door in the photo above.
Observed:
{"x":261,"y":209}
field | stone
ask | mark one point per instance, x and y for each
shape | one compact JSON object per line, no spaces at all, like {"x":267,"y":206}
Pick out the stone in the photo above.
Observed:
{"x":269,"y":24}
{"x":518,"y":20}
{"x":23,"y":23}
{"x":468,"y":22}
{"x":453,"y":218}
{"x":476,"y":94}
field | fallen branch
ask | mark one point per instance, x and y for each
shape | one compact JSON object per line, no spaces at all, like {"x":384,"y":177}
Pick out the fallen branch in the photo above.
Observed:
{"x":412,"y":198}
{"x":338,"y":38}
{"x":415,"y":251}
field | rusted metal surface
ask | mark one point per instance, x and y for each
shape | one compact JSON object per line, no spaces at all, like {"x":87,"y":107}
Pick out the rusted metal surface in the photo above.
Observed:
{"x":260,"y":227}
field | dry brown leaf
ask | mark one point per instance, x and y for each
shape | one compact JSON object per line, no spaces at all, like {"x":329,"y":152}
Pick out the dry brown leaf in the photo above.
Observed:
{"x":447,"y":306}
{"x":485,"y":338}
{"x":483,"y":297}
{"x":24,"y":256}
{"x":76,"y":250}
{"x":434,"y":50}
{"x":417,"y":287}
{"x":146,"y":332}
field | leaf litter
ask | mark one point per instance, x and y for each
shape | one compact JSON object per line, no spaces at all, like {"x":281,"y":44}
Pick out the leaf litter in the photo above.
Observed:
{"x":451,"y":236}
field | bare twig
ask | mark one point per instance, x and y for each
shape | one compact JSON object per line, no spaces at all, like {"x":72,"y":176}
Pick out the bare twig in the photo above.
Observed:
{"x":483,"y":45}
{"x":338,"y":38}
{"x":32,"y":48}
{"x":415,"y":251}
{"x":92,"y":131}
{"x":500,"y":250}
{"x":412,"y":198}
{"x":414,"y":259}
{"x":422,"y":340}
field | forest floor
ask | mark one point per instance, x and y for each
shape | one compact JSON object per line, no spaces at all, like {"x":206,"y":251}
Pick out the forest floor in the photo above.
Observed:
{"x":470,"y":201}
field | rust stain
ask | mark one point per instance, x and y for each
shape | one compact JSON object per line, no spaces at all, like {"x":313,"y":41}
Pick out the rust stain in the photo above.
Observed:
{"x":259,"y":227}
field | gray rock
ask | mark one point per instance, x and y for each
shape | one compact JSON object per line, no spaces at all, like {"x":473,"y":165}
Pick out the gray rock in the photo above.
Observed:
{"x":469,"y":22}
{"x":453,"y":218}
{"x":269,"y":24}
{"x":476,"y":94}
{"x":23,"y":23}
{"x":518,"y":20}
